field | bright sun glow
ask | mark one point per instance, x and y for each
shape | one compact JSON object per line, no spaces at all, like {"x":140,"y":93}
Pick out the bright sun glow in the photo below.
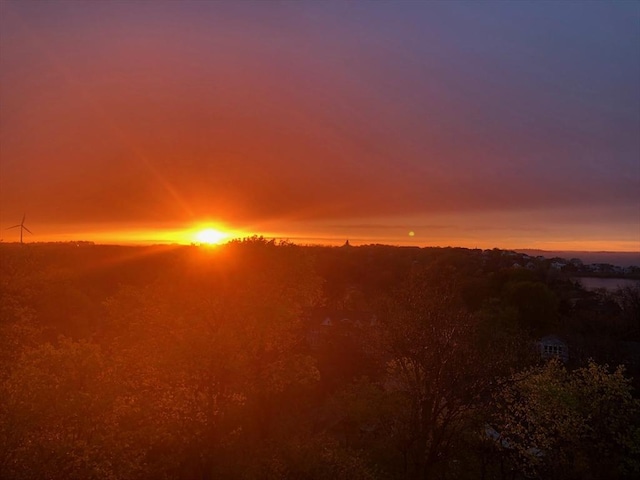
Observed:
{"x":210,"y":236}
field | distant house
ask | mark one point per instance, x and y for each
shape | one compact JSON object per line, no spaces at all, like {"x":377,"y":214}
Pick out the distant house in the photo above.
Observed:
{"x":492,"y":434}
{"x":327,"y":322}
{"x":322,"y":323}
{"x":552,"y":347}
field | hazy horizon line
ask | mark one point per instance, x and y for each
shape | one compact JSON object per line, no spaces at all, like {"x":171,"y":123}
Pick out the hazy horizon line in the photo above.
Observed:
{"x":337,"y":243}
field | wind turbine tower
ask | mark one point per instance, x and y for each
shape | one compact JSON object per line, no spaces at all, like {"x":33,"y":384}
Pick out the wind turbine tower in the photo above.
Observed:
{"x":22,"y":227}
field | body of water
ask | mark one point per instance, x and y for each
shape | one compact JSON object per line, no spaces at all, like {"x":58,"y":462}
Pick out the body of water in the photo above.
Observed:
{"x":610,"y":284}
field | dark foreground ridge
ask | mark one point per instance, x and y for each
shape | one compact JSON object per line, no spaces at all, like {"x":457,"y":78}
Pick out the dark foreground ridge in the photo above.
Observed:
{"x":264,"y":359}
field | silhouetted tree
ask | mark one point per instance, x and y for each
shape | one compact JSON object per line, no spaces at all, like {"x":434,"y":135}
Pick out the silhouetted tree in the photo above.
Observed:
{"x":437,"y":363}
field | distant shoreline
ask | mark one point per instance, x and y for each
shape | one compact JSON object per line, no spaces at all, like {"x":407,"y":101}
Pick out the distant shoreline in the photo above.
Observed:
{"x":620,"y":259}
{"x":606,"y":283}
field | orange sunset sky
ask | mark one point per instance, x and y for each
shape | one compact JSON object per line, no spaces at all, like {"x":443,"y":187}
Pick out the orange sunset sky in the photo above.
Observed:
{"x":476,"y":124}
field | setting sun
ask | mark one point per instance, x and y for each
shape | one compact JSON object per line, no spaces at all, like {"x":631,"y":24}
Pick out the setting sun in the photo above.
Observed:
{"x":210,"y":236}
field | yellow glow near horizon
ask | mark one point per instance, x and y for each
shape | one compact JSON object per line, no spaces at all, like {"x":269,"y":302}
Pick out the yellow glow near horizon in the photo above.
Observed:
{"x":213,"y":232}
{"x":210,"y":236}
{"x":208,"y":233}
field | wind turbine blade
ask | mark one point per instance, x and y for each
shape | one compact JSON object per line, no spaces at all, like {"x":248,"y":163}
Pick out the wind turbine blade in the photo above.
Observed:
{"x":24,"y":215}
{"x":27,"y":229}
{"x":15,"y":226}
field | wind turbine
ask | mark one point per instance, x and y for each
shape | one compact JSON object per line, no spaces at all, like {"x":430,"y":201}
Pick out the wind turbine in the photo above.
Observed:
{"x":22,"y":227}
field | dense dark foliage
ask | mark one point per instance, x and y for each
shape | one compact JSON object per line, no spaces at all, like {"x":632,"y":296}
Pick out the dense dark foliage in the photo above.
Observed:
{"x":259,"y":359}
